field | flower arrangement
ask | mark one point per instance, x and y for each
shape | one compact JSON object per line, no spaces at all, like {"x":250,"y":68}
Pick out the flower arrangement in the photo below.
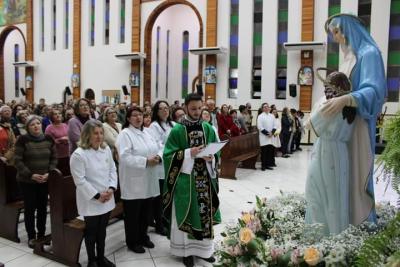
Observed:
{"x":275,"y":234}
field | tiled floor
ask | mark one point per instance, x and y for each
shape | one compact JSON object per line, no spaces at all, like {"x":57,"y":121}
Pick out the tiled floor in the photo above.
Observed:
{"x":235,"y":196}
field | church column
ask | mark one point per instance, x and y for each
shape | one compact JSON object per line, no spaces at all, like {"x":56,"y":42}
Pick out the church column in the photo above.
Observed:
{"x":307,"y":34}
{"x":211,"y":40}
{"x":135,"y":64}
{"x":29,"y":48}
{"x":77,"y":48}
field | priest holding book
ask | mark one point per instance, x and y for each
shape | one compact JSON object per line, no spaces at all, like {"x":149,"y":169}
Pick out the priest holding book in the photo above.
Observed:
{"x":190,"y":197}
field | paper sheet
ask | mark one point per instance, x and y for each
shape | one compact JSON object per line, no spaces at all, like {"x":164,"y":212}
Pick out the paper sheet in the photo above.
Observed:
{"x":211,"y":149}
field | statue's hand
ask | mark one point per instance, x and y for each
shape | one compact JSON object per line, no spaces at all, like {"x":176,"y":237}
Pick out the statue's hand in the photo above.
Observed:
{"x":335,"y":105}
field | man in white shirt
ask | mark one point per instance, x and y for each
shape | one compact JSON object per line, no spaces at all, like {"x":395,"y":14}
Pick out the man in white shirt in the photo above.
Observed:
{"x":266,"y":125}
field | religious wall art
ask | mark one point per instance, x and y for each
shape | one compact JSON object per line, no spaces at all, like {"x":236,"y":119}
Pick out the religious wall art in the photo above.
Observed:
{"x":75,"y":80}
{"x":12,"y":12}
{"x":210,"y":74}
{"x":28,"y":82}
{"x":134,"y":79}
{"x":305,"y":76}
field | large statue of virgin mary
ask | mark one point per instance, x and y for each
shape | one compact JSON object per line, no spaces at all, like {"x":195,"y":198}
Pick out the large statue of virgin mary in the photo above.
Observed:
{"x":364,"y":66}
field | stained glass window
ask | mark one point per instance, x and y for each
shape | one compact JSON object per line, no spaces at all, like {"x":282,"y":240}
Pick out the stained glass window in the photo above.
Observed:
{"x":233,"y":49}
{"x":54,"y":25}
{"x":333,"y":47}
{"x":91,"y":22}
{"x":257,"y":49}
{"x":281,"y":64}
{"x":106,"y":22}
{"x":16,"y":69}
{"x":42,"y":25}
{"x":167,"y":66}
{"x":393,"y":62}
{"x":157,"y":61}
{"x":364,"y":12}
{"x":185,"y":63}
{"x":66,"y":24}
{"x":122,"y":22}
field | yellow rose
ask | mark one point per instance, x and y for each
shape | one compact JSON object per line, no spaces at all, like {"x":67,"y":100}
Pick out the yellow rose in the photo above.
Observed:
{"x":247,"y":217}
{"x":311,"y":256}
{"x":246,"y":235}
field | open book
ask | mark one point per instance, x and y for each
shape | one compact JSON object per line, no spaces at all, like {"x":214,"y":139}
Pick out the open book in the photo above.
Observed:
{"x":212,"y":148}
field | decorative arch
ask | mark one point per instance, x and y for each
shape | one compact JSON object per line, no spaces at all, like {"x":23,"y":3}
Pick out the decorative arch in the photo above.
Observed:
{"x":148,"y":40}
{"x":3,"y":37}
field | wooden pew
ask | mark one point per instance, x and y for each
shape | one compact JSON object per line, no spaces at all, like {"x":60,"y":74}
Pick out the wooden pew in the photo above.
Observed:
{"x":66,"y":229}
{"x":245,"y":149}
{"x":11,"y":202}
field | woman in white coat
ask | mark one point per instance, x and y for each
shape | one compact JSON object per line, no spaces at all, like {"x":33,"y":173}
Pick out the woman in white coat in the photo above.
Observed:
{"x":160,"y":128}
{"x":95,"y":177}
{"x":138,"y":157}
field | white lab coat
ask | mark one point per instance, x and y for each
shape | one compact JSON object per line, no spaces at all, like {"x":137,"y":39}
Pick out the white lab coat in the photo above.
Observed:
{"x":266,"y":121}
{"x":93,"y":172}
{"x":160,"y":136}
{"x":136,"y":180}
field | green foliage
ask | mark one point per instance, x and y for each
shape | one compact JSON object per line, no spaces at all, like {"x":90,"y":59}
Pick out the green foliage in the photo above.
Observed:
{"x":390,"y":158}
{"x":376,"y":249}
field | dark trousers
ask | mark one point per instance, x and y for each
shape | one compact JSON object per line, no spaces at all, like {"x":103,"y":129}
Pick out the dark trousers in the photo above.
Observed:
{"x":267,"y":156}
{"x":137,"y":216}
{"x":95,"y":235}
{"x":285,"y":142}
{"x":157,"y":208}
{"x":35,"y":200}
{"x":298,"y":140}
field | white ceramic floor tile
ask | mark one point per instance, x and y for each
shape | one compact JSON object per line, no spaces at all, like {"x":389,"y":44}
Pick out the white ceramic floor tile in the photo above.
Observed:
{"x":30,"y":260}
{"x":161,"y":250}
{"x":124,"y":254}
{"x":9,"y":253}
{"x":55,"y":264}
{"x":141,"y":263}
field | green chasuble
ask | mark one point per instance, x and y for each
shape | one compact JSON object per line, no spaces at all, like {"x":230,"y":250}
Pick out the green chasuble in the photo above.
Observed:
{"x":194,"y":196}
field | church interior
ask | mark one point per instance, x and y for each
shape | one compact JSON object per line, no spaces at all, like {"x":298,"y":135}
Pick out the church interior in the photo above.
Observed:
{"x":105,"y":106}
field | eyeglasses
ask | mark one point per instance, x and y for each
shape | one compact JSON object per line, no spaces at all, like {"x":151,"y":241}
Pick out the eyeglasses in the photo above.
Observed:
{"x":83,"y":105}
{"x":111,"y":112}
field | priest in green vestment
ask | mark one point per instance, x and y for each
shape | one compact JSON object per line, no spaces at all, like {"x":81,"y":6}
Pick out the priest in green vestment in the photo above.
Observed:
{"x":190,"y":196}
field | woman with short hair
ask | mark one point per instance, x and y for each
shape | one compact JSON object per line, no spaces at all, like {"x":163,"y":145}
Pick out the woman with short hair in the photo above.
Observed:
{"x":138,"y":155}
{"x":95,"y":177}
{"x":35,"y":157}
{"x":59,"y":132}
{"x":82,"y":115}
{"x":111,"y":129}
{"x":22,"y":115}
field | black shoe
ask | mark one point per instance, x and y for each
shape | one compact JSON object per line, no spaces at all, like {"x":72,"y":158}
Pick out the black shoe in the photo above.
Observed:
{"x":148,"y":244}
{"x":263,"y":169}
{"x":31,"y":243}
{"x":273,"y":165}
{"x":299,"y":149}
{"x":92,"y":264}
{"x":210,"y":259}
{"x":286,"y":156}
{"x":137,"y":249}
{"x":105,"y":263}
{"x":269,"y":168}
{"x":188,"y":261}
